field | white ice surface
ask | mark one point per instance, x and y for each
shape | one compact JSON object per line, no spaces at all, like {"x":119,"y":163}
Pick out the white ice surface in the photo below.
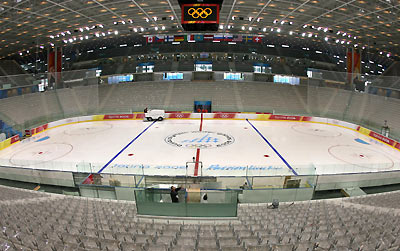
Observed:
{"x":308,"y":148}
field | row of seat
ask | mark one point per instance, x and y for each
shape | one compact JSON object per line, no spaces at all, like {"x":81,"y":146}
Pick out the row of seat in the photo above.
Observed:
{"x":387,"y":200}
{"x":76,"y":223}
{"x":371,"y":110}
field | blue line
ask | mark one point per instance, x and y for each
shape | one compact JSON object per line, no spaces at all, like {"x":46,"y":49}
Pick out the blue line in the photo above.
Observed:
{"x":248,"y":181}
{"x":123,"y":149}
{"x":139,"y":181}
{"x":273,"y":148}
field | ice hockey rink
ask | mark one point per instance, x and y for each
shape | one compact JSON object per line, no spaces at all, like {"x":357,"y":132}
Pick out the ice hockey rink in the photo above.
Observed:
{"x":208,"y":147}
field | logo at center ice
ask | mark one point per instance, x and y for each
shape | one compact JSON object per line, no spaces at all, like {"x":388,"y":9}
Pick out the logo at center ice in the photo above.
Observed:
{"x":197,"y":139}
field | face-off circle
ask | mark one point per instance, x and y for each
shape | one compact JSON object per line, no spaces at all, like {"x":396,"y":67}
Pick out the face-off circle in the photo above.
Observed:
{"x":40,"y":154}
{"x":316,"y":130}
{"x":361,"y":157}
{"x":199,"y":139}
{"x":88,"y":128}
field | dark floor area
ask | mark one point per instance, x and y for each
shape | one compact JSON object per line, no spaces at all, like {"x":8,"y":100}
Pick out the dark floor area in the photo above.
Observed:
{"x":328,"y":194}
{"x":43,"y":188}
{"x":381,"y":189}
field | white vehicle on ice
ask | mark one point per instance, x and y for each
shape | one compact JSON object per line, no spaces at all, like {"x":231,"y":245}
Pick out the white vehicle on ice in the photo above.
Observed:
{"x":151,"y":115}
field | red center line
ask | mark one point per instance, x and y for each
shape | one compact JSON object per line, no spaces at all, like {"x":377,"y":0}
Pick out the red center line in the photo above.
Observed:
{"x":196,"y":166}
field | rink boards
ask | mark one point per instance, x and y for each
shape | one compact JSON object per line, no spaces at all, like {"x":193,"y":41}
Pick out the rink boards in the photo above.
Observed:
{"x":222,"y":144}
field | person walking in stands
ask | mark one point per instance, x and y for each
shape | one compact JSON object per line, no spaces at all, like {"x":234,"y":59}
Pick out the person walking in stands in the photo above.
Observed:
{"x":174,"y":194}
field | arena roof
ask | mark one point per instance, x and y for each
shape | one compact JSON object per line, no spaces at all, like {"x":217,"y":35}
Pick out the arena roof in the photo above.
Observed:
{"x":36,"y":24}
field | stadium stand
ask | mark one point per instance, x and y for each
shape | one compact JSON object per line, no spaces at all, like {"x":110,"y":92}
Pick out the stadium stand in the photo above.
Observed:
{"x":59,"y":222}
{"x":186,"y":65}
{"x":131,"y":96}
{"x":222,"y":94}
{"x":78,"y":100}
{"x":162,"y":66}
{"x":221,"y":66}
{"x":254,"y":97}
{"x":15,"y":194}
{"x":373,"y":110}
{"x":243,"y":66}
{"x":10,"y":67}
{"x":362,"y":108}
{"x":327,"y":101}
{"x":388,"y":200}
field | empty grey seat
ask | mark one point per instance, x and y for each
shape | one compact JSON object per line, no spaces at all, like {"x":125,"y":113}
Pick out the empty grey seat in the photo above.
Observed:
{"x":183,"y":248}
{"x":282,"y":247}
{"x":183,"y":241}
{"x":261,"y":247}
{"x":127,"y":237}
{"x":129,"y":246}
{"x":108,"y":244}
{"x":207,"y":242}
{"x":165,"y":240}
{"x":229,"y":243}
{"x":250,"y":241}
{"x":142,"y":239}
{"x":157,"y":247}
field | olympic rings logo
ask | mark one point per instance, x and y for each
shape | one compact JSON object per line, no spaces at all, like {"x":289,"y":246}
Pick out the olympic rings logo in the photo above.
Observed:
{"x":199,"y":12}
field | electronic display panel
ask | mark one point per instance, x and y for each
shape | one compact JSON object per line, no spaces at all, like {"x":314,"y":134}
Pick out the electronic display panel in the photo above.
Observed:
{"x":200,"y":13}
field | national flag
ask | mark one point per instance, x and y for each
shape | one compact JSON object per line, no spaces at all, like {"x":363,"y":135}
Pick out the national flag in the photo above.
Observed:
{"x":190,"y":38}
{"x":228,"y":38}
{"x":160,"y":38}
{"x":218,"y":37}
{"x":237,"y":38}
{"x":208,"y":37}
{"x":198,"y":37}
{"x":248,"y":38}
{"x":150,"y":39}
{"x":169,"y":39}
{"x":179,"y":38}
{"x":257,"y":39}
{"x":353,"y":64}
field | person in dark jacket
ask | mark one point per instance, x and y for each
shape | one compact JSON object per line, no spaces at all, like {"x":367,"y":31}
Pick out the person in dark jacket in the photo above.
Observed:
{"x":174,"y":194}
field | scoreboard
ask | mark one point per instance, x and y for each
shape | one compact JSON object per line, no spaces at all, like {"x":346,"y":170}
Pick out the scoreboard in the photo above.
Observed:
{"x":200,"y":13}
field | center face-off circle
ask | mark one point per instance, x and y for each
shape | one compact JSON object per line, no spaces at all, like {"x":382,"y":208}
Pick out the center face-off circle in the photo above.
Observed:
{"x":40,"y":154}
{"x":361,"y":157}
{"x":199,"y":139}
{"x":316,"y":130}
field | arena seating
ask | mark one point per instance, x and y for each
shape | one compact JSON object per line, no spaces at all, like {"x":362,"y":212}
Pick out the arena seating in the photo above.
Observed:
{"x":360,"y":108}
{"x":373,"y":110}
{"x":220,"y":93}
{"x":388,"y":200}
{"x":186,"y":65}
{"x":328,"y":102}
{"x":22,"y":108}
{"x":10,"y":67}
{"x":220,"y":65}
{"x":78,"y":100}
{"x":132,"y":97}
{"x":15,"y":194}
{"x":279,"y":98}
{"x":163,"y":65}
{"x":242,"y":66}
{"x":40,"y":221}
